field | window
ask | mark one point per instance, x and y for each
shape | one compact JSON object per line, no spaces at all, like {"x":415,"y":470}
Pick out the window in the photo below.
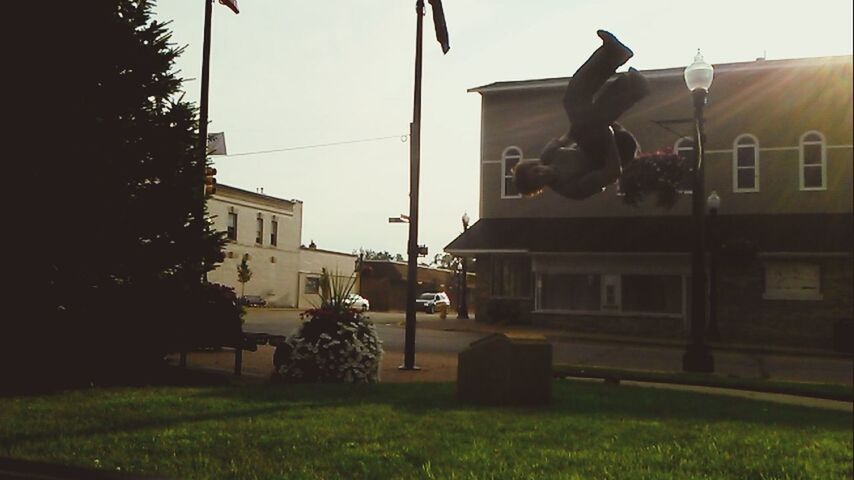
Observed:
{"x":259,"y":234}
{"x":511,"y":277}
{"x":232,"y":226}
{"x":509,"y":159}
{"x":813,"y":161}
{"x":610,"y":293}
{"x":312,"y":285}
{"x":684,"y":147}
{"x":652,"y":293}
{"x":792,"y":281}
{"x":745,"y":164}
{"x":565,"y":291}
{"x":274,"y":233}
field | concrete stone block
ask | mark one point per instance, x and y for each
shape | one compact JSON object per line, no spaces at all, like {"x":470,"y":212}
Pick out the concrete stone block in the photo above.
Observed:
{"x":506,"y":369}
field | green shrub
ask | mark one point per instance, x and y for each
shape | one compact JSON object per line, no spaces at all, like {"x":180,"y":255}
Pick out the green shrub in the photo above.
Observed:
{"x":334,"y":343}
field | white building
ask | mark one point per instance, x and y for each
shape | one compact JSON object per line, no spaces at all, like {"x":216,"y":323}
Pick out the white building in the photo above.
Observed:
{"x":268,"y":231}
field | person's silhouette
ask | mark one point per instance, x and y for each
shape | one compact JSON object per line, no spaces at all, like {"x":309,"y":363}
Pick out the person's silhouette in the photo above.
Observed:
{"x":588,"y":157}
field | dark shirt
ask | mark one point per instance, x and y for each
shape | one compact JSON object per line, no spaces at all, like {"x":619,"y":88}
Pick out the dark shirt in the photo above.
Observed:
{"x":569,"y":164}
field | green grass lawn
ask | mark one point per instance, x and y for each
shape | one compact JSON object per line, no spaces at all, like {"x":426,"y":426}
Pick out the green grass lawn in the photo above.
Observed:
{"x":389,"y":431}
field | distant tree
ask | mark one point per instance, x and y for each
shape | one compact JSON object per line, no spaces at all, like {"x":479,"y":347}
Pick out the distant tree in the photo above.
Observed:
{"x":380,"y":255}
{"x":244,"y":273}
{"x":446,"y":261}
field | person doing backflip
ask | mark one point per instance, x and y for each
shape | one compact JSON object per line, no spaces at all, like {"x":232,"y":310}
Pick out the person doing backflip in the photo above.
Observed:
{"x":588,"y":157}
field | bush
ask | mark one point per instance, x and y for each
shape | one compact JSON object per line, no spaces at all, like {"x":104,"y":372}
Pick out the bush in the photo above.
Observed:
{"x":120,"y":334}
{"x":331,"y":346}
{"x":334,"y":343}
{"x":216,"y":318}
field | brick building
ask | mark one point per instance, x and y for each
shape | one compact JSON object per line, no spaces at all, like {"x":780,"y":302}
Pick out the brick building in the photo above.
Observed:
{"x":383,"y":283}
{"x":779,"y":155}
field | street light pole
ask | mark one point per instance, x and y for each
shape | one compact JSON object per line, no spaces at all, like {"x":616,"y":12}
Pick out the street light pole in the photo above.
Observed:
{"x":713,"y":202}
{"x":414,"y":172}
{"x":698,"y":357}
{"x":463,"y":309}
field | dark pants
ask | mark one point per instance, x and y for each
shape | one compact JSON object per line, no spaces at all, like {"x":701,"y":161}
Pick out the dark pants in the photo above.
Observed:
{"x":591,"y":115}
{"x":578,"y":101}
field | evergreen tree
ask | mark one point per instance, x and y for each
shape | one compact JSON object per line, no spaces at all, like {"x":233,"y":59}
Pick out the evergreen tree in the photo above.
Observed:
{"x":123,"y":276}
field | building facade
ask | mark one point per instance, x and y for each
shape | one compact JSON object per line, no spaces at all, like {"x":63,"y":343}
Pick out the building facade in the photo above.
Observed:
{"x":312,"y":262}
{"x":778,"y":154}
{"x":267,"y":231}
{"x":384,"y":282}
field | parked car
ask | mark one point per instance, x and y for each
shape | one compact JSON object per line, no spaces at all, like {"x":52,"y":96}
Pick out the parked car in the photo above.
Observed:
{"x":252,"y":301}
{"x":430,"y":301}
{"x":358,"y":302}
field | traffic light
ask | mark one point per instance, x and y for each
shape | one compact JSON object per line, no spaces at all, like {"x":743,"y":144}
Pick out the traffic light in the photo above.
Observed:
{"x":210,"y":181}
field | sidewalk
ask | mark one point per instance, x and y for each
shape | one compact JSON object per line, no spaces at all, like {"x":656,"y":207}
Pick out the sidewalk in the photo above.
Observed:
{"x":453,"y":324}
{"x":258,"y":365}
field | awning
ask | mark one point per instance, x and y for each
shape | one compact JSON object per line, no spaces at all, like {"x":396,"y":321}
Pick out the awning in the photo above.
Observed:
{"x":792,"y":233}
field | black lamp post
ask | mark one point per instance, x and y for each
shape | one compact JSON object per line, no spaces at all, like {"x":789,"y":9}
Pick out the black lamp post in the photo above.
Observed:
{"x":714,"y":203}
{"x":463,"y":309}
{"x":698,"y":357}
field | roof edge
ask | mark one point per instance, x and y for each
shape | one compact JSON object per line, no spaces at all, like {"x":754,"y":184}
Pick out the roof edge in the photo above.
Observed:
{"x":259,"y":196}
{"x":759,"y":64}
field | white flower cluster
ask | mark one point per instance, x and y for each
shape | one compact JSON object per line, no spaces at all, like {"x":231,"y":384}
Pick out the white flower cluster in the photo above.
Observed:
{"x":340,"y":348}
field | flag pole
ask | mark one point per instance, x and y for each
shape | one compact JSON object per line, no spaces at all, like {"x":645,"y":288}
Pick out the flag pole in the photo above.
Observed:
{"x":203,"y":109}
{"x":414,"y":168}
{"x":206,"y":66}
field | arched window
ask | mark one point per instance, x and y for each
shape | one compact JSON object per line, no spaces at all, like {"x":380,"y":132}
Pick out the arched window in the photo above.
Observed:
{"x":509,"y":158}
{"x":813,"y":161}
{"x":684,"y":147}
{"x":745,"y":164}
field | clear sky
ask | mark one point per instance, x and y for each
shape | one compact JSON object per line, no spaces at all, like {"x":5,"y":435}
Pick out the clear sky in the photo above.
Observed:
{"x":292,"y":73}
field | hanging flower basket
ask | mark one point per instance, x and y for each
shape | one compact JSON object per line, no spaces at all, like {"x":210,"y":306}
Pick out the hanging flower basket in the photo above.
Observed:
{"x":662,"y":174}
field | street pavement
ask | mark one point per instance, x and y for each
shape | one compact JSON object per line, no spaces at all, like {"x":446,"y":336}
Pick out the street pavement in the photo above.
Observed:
{"x":441,"y":341}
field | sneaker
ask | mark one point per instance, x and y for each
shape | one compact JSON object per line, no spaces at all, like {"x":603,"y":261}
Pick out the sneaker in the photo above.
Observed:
{"x":611,"y":43}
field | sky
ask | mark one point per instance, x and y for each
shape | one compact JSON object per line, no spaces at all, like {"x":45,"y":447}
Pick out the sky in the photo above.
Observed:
{"x":297,"y":73}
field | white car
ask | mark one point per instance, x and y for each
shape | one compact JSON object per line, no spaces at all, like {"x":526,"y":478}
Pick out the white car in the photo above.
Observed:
{"x":430,"y":301}
{"x":357,"y":302}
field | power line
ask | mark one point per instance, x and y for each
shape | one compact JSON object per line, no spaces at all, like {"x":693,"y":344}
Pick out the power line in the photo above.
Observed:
{"x":402,"y":138}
